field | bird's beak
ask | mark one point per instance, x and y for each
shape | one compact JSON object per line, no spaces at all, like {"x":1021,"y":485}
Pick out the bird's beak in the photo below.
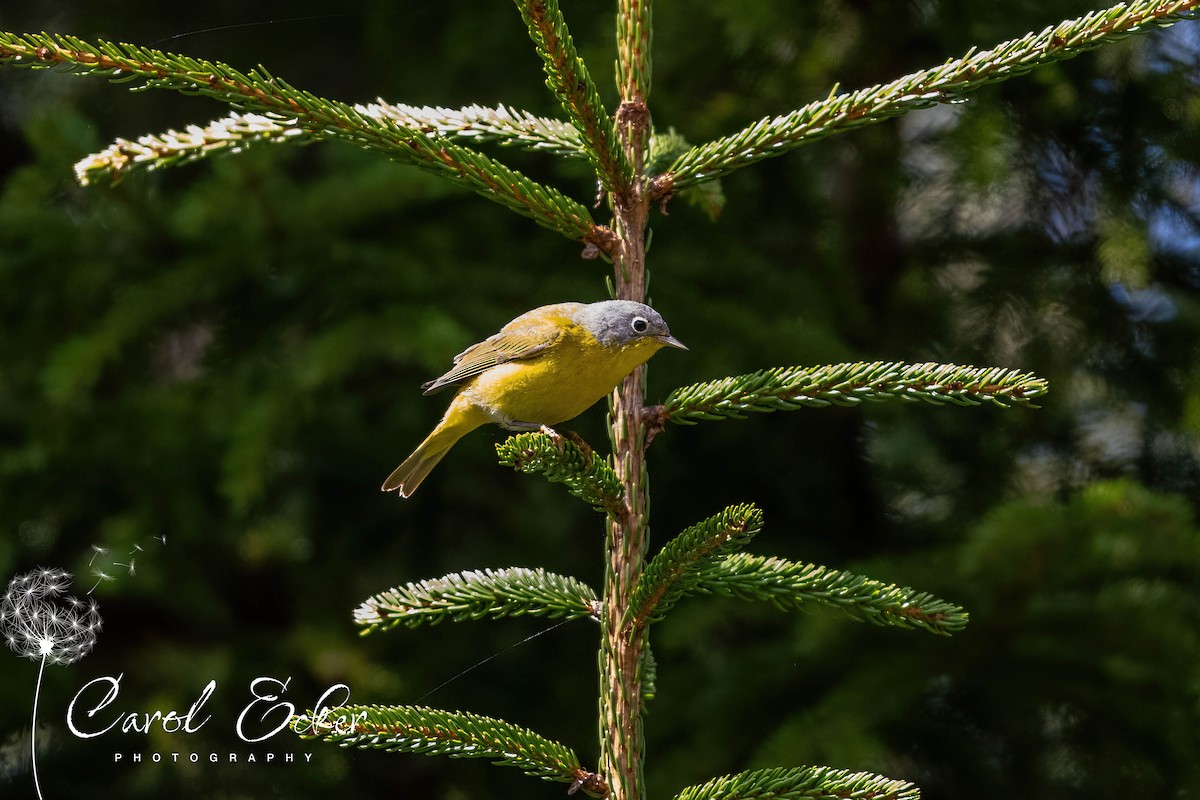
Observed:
{"x":671,"y":341}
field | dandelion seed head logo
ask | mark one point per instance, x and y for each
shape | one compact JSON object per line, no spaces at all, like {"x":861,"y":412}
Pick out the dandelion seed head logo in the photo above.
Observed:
{"x":38,"y":622}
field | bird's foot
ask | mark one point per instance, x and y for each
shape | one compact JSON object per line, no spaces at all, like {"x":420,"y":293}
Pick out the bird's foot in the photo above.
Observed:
{"x":555,"y":436}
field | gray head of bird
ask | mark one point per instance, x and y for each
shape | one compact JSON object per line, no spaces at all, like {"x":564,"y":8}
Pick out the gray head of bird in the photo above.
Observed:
{"x":619,"y":323}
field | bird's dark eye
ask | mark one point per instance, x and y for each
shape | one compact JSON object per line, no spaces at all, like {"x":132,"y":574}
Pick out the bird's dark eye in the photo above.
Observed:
{"x":639,"y":324}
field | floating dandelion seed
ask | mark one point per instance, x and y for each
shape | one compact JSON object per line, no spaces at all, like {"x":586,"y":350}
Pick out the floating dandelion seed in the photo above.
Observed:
{"x":131,"y":566}
{"x":162,"y":539}
{"x":97,"y":550}
{"x":101,"y":576}
{"x":137,"y":548}
{"x":36,"y":626}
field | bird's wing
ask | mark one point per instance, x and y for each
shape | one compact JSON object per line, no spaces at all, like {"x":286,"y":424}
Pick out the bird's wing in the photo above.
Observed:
{"x":524,"y":337}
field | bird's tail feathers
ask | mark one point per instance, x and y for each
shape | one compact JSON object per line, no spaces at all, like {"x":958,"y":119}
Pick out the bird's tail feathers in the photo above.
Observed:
{"x":408,"y":476}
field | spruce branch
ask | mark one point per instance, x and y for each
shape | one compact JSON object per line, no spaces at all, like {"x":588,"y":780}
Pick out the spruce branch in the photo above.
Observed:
{"x":568,"y":78}
{"x":678,"y":567}
{"x":634,"y":29}
{"x":503,"y":124}
{"x":809,"y":587}
{"x":235,"y":132}
{"x":259,"y":92}
{"x":787,"y":388}
{"x":475,"y":594}
{"x":585,"y":474}
{"x":947,"y":83}
{"x":432,"y":731}
{"x":801,"y":783}
{"x":230,"y":134}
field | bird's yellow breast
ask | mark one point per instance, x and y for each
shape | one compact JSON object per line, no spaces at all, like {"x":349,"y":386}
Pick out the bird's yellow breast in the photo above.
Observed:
{"x":559,"y":383}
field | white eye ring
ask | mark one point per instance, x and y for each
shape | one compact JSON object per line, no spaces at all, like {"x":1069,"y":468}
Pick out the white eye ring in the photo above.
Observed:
{"x":639,"y":324}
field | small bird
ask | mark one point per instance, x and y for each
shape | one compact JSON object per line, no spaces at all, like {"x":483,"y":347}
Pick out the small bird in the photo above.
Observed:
{"x":546,"y":366}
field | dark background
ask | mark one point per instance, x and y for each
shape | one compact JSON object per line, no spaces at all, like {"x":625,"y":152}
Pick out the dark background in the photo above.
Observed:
{"x":229,"y":355}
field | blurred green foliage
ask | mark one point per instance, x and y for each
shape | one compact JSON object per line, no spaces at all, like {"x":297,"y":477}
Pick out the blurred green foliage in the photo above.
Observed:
{"x":229,"y":355}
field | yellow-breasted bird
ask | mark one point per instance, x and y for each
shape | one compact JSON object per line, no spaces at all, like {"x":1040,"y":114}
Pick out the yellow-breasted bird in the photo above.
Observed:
{"x":546,"y":366}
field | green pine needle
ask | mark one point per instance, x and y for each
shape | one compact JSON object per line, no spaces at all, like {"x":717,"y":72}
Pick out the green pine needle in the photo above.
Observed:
{"x":678,"y":567}
{"x":432,"y":731}
{"x":476,"y":594}
{"x":786,"y":388}
{"x":568,"y":78}
{"x":585,"y":474}
{"x":809,"y":587}
{"x":946,"y":83}
{"x":259,"y":92}
{"x":801,"y":783}
{"x":648,"y":675}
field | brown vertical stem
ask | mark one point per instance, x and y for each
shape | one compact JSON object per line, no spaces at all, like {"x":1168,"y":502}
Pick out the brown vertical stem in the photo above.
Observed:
{"x":621,"y":741}
{"x":621,"y":654}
